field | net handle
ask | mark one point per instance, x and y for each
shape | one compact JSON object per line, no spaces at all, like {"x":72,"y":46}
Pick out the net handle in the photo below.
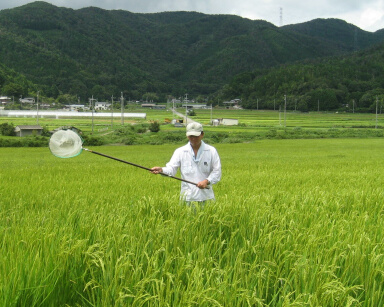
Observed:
{"x":137,"y":165}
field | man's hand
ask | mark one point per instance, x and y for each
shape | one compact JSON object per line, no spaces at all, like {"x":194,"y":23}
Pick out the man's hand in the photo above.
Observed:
{"x":156,"y":170}
{"x":203,"y":184}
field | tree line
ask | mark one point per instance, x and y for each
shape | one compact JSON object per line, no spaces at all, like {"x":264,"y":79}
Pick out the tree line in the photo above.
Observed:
{"x":71,"y":55}
{"x":350,"y":83}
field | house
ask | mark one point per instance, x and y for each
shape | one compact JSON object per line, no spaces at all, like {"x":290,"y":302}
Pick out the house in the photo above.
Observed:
{"x":99,"y":105}
{"x":29,"y":100}
{"x":44,"y":106}
{"x":153,"y":106}
{"x":26,"y":130}
{"x":4,"y":100}
{"x":194,"y":105}
{"x":229,"y":122}
{"x":233,"y":103}
{"x":75,"y":107}
{"x":148,"y":105}
{"x":225,"y":122}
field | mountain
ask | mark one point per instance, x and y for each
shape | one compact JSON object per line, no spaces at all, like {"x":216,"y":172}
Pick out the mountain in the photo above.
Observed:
{"x":353,"y":82}
{"x":98,"y":52}
{"x":338,"y":33}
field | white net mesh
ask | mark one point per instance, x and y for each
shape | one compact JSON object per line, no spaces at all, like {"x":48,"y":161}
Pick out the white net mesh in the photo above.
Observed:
{"x":65,"y":144}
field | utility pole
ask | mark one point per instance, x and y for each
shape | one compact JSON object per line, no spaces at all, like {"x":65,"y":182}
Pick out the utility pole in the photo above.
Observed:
{"x":173,"y":110}
{"x":211,"y":116}
{"x":112,"y":112}
{"x":285,"y":111}
{"x":37,"y":108}
{"x":122,"y":108}
{"x":186,"y":115}
{"x":377,"y":100}
{"x":274,"y":97}
{"x":92,"y":105}
{"x":186,"y":109}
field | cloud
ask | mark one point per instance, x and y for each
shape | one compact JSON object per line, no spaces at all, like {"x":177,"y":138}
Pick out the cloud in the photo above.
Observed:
{"x":372,"y":17}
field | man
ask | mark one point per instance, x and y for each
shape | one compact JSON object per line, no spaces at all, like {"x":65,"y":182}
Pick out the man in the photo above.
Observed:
{"x":198,"y":162}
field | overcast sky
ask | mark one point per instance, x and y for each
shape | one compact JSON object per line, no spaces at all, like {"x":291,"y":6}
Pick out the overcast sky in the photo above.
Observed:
{"x":366,"y":14}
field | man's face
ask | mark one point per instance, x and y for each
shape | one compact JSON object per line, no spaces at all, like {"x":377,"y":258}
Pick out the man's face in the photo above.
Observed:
{"x":195,"y":140}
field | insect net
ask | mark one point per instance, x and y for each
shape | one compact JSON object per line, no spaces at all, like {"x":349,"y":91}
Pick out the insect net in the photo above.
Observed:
{"x":65,"y":144}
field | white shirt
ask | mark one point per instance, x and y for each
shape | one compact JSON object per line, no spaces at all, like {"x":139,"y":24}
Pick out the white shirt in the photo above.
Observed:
{"x":206,"y":165}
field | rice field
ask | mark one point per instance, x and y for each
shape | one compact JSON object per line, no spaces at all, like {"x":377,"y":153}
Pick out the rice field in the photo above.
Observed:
{"x":295,"y":223}
{"x":249,"y":120}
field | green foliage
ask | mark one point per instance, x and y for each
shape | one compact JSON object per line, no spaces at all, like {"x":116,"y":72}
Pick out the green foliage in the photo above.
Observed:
{"x":7,"y":129}
{"x":96,"y":52}
{"x":46,"y":131}
{"x":151,"y":97}
{"x":216,"y":137}
{"x":30,"y":141}
{"x":141,"y":128}
{"x":170,"y":137}
{"x":66,"y":99}
{"x":336,"y":83}
{"x":295,"y":223}
{"x":92,"y":140}
{"x":13,"y":89}
{"x":154,"y":126}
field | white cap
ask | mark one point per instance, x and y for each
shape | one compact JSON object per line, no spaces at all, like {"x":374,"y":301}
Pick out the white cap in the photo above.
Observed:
{"x":194,"y":129}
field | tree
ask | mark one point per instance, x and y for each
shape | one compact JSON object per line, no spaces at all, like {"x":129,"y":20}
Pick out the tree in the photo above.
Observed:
{"x":13,"y":89}
{"x":368,"y":100}
{"x":323,"y":99}
{"x":98,"y":92}
{"x":150,"y":97}
{"x":66,"y":99}
{"x":154,"y":126}
{"x":200,"y":99}
{"x":7,"y":129}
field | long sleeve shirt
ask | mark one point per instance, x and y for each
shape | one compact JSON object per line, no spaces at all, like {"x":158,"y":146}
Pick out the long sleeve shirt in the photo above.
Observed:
{"x":206,"y":165}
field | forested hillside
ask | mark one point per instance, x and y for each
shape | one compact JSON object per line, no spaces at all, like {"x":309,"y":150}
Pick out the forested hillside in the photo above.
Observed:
{"x":351,"y":83}
{"x":96,"y":52}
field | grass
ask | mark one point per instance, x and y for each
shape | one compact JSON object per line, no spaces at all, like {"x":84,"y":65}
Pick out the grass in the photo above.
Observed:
{"x":253,"y":126}
{"x":296,"y":223}
{"x":248,"y":119}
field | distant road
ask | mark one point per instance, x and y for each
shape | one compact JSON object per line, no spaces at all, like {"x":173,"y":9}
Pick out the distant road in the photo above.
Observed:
{"x":186,"y":120}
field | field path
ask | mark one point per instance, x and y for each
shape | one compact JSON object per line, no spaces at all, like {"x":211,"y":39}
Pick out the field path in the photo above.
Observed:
{"x":186,"y":120}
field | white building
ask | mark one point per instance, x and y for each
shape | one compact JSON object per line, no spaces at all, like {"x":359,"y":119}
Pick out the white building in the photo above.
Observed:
{"x":234,"y":103}
{"x":4,"y":100}
{"x":26,"y":130}
{"x":75,"y":107}
{"x":229,"y":122}
{"x":225,"y":122}
{"x":99,"y":105}
{"x":29,"y":100}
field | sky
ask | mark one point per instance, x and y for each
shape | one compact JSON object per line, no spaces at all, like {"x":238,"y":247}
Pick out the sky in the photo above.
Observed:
{"x":368,"y":15}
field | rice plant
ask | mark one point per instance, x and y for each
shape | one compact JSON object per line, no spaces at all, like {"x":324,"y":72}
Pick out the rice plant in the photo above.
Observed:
{"x":295,"y":223}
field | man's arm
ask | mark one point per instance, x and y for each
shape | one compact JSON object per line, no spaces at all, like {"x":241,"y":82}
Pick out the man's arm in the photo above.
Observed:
{"x":215,"y":175}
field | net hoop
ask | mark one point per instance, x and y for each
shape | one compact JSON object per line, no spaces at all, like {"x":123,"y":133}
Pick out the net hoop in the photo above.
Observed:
{"x":65,"y":144}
